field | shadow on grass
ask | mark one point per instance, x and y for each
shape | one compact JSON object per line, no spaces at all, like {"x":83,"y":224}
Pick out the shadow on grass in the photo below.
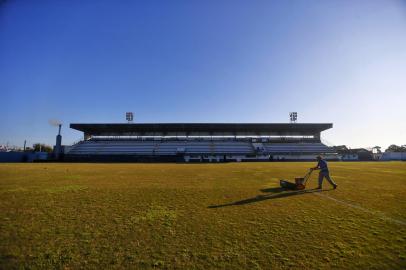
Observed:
{"x":275,"y":193}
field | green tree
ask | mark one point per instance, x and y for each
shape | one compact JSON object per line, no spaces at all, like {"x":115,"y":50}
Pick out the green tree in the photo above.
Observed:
{"x":39,"y":147}
{"x":396,"y":148}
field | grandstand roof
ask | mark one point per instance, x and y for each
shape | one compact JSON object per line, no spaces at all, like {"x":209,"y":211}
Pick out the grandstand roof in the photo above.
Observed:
{"x":213,"y":129}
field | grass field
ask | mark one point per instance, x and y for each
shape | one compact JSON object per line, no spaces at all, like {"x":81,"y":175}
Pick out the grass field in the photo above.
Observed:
{"x":202,"y":216}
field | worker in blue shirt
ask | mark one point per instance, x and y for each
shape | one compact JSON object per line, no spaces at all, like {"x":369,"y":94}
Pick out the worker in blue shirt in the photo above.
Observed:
{"x":324,"y":173}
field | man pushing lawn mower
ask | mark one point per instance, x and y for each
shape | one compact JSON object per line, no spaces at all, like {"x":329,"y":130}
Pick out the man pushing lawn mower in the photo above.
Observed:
{"x":324,"y":173}
{"x":300,"y":182}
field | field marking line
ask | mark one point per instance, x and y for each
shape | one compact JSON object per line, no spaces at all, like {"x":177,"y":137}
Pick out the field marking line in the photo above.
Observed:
{"x":376,"y":213}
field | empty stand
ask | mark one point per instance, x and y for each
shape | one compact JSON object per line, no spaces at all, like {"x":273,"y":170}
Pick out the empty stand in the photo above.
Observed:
{"x":305,"y":148}
{"x":139,"y":147}
{"x":192,"y":147}
{"x":199,"y":141}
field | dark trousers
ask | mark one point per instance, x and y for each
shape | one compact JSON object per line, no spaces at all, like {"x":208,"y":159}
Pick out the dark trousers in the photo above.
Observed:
{"x":325,"y":174}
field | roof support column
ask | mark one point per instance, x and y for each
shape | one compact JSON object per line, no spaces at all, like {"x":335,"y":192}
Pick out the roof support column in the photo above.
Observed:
{"x":87,"y":136}
{"x":317,"y":136}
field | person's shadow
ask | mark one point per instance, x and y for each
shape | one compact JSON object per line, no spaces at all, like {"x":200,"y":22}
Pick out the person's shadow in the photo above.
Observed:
{"x":273,"y":193}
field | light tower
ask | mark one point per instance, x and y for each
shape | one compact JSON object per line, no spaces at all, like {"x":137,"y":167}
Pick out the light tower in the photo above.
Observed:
{"x":293,"y":117}
{"x":129,"y":116}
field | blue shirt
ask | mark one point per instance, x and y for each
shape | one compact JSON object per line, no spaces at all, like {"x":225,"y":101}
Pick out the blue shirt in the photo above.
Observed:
{"x":322,"y":165}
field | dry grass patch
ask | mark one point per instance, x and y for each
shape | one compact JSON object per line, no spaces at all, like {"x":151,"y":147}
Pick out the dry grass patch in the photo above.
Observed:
{"x":200,"y":216}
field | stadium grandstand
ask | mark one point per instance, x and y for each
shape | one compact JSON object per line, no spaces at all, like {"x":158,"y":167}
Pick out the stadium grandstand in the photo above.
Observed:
{"x":200,"y":142}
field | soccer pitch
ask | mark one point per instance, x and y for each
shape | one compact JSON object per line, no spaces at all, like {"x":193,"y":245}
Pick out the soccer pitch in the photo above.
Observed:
{"x":201,"y":216}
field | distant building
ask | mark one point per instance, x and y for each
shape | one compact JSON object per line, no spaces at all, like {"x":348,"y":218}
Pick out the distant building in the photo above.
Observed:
{"x":356,"y":154}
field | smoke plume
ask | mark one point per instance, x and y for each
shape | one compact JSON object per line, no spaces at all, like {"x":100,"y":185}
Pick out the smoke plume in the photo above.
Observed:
{"x":54,"y":122}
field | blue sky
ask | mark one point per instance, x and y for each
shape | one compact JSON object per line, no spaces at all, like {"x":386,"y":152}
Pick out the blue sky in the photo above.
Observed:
{"x":204,"y":61}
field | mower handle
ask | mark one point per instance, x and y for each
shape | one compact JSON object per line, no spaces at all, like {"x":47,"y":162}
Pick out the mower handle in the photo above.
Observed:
{"x":307,"y":176}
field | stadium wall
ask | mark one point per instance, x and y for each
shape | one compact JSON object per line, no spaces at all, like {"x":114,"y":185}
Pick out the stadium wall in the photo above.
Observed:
{"x":22,"y":156}
{"x":393,"y":156}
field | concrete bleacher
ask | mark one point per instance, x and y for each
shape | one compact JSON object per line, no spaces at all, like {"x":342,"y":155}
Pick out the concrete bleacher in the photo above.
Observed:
{"x":233,"y":149}
{"x":138,"y":147}
{"x":305,"y":148}
{"x":110,"y":147}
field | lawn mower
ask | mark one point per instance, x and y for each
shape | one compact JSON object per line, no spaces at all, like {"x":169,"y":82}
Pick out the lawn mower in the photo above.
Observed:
{"x":300,"y":182}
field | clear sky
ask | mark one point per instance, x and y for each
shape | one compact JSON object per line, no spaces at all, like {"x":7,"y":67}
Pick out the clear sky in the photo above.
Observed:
{"x":340,"y":61}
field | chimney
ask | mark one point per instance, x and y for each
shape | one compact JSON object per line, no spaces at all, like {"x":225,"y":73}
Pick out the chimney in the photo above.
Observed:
{"x":58,"y":145}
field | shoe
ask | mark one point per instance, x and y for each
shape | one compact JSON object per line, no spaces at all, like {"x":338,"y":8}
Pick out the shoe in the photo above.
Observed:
{"x":319,"y":187}
{"x":335,"y":186}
